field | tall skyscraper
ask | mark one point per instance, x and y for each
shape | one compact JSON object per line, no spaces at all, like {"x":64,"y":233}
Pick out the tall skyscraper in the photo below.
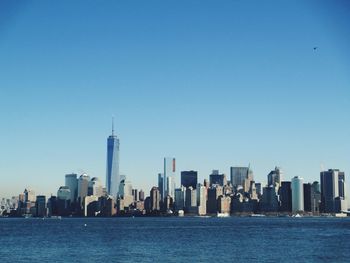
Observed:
{"x":239,"y":174}
{"x":274,"y":177}
{"x":71,"y":182}
{"x":297,"y":194}
{"x":189,"y":178}
{"x":161,"y":185}
{"x":307,"y":197}
{"x":113,"y":176}
{"x":333,"y":191}
{"x":169,"y":172}
{"x":285,"y":193}
{"x":83,"y":185}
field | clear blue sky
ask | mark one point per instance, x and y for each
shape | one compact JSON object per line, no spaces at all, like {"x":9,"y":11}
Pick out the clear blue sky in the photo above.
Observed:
{"x":212,"y":83}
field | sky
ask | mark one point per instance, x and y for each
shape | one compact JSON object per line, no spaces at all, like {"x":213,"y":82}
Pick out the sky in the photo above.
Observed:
{"x":212,"y":83}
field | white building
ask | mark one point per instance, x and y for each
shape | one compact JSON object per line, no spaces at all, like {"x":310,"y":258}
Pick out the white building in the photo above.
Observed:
{"x":297,"y":194}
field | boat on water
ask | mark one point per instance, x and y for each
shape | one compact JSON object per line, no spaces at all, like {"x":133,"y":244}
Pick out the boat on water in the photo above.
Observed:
{"x":296,"y":215}
{"x":257,"y":215}
{"x":222,"y":215}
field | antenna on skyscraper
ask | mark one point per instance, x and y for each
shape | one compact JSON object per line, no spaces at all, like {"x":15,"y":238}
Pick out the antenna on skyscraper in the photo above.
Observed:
{"x":112,"y":125}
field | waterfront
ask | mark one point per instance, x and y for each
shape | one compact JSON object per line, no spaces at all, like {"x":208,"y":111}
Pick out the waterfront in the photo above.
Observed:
{"x":188,"y":239}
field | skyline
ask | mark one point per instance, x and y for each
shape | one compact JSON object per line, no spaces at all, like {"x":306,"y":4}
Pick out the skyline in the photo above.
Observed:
{"x":214,"y":85}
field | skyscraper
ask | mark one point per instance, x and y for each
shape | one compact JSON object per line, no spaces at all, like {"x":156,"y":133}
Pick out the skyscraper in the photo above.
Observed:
{"x":238,"y":174}
{"x":71,"y":182}
{"x":332,"y":191}
{"x":189,"y":178}
{"x":169,"y":172}
{"x":285,"y":193}
{"x":113,"y":176}
{"x":297,"y":194}
{"x":161,"y":185}
{"x":274,"y":177}
{"x":215,"y":178}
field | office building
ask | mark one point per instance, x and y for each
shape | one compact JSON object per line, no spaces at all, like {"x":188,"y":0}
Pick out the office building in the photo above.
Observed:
{"x":297,"y":194}
{"x":180,"y":198}
{"x":161,"y":185}
{"x":95,"y":187}
{"x":315,"y":197}
{"x":191,"y":200}
{"x":125,"y":192}
{"x":171,"y":186}
{"x":112,"y":174}
{"x":215,"y":178}
{"x":71,"y":181}
{"x":333,"y":197}
{"x":40,"y":206}
{"x":189,"y":179}
{"x":142,"y":195}
{"x":213,"y":195}
{"x":285,"y":194}
{"x":274,"y":178}
{"x":202,"y":199}
{"x":224,"y":204}
{"x":307,"y":197}
{"x":238,"y":174}
{"x":155,"y":199}
{"x":135,"y":195}
{"x":83,"y":186}
{"x":269,"y":201}
{"x":169,"y":172}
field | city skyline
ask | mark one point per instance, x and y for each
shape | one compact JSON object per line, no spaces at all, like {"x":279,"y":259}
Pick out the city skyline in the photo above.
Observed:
{"x":245,"y":86}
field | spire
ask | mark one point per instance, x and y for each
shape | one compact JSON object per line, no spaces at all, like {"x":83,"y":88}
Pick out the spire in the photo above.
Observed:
{"x":112,"y":126}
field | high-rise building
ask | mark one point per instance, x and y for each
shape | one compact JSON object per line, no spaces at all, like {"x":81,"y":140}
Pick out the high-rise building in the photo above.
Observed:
{"x":315,"y":197}
{"x":202,"y":192}
{"x":285,"y":193}
{"x":71,"y":182}
{"x":213,"y":195}
{"x":333,"y":197}
{"x":135,"y":195}
{"x":238,"y":174}
{"x":189,"y":178}
{"x":274,"y":177}
{"x":169,"y":171}
{"x":307,"y":197}
{"x":269,"y":200}
{"x":224,"y":204}
{"x":40,"y":206}
{"x":95,"y":187}
{"x":83,"y":185}
{"x":125,"y":192}
{"x":142,"y":195}
{"x":191,"y":200}
{"x":171,"y":186}
{"x":297,"y":195}
{"x":154,"y":199}
{"x":180,"y":198}
{"x":113,"y":177}
{"x":215,"y":178}
{"x":161,"y":185}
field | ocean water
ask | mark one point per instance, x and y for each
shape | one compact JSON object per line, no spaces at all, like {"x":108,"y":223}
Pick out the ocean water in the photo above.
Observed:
{"x":188,"y":239}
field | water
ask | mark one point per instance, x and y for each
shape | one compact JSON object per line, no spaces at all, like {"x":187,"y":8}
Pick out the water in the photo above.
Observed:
{"x":175,"y":240}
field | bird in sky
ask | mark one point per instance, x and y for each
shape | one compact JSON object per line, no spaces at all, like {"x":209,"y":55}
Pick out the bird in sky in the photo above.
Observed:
{"x":315,"y":48}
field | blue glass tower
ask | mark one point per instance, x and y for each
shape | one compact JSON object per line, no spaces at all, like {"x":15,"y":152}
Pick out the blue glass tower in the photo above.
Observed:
{"x":113,"y":176}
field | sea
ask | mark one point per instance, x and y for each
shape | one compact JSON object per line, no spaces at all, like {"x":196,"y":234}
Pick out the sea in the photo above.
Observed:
{"x":175,"y":239}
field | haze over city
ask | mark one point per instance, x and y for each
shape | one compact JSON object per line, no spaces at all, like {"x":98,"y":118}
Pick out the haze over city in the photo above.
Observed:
{"x":214,"y":85}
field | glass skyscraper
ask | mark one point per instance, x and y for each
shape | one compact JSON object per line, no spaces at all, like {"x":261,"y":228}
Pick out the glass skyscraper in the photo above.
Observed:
{"x":169,"y":177}
{"x":112,"y":176}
